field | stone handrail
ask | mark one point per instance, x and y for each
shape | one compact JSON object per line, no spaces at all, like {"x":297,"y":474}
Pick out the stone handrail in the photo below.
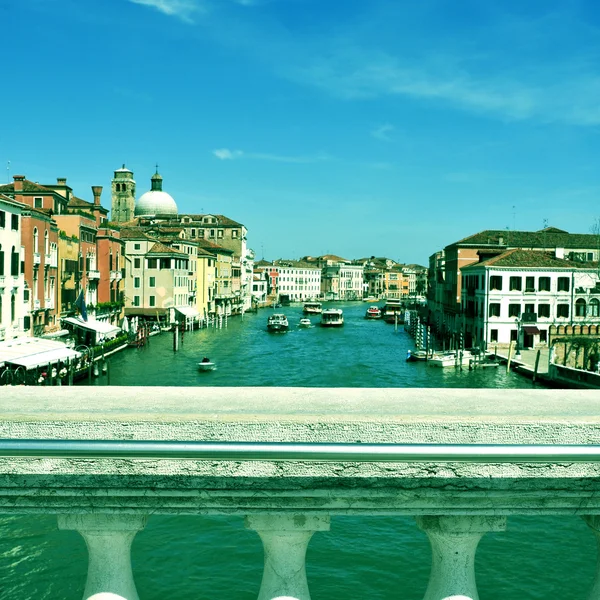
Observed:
{"x":460,"y":461}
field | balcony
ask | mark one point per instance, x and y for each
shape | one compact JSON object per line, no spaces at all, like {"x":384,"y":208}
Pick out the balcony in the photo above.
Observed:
{"x":382,"y":452}
{"x":49,"y":303}
{"x":115,"y":276}
{"x":36,"y":258}
{"x":36,"y":305}
{"x":52,"y":260}
{"x":93,"y":275}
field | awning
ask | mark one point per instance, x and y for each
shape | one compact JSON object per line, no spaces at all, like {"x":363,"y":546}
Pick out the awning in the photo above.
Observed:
{"x":42,"y":359}
{"x":531,"y":329}
{"x":55,"y":334}
{"x":19,"y":348}
{"x":187,"y":311}
{"x":105,"y":329}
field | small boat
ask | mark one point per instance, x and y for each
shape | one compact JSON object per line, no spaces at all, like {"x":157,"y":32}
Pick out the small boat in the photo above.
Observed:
{"x":305,"y":323}
{"x":370,"y":299}
{"x":416,"y":355}
{"x":312,"y":308}
{"x":332,"y":317}
{"x":277,"y":322}
{"x":373,"y":312}
{"x":206,"y":365}
{"x":451,"y":359}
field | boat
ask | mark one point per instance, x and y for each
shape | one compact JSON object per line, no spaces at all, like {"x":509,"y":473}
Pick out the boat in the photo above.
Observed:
{"x":332,"y":317}
{"x":373,"y":312}
{"x":416,"y":355}
{"x":305,"y":323}
{"x":312,"y":308}
{"x":450,"y":359}
{"x":206,"y":365}
{"x":393,"y":311}
{"x":277,"y":322}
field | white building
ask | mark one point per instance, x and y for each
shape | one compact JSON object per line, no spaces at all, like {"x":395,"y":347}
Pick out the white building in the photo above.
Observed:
{"x":519,"y":294}
{"x":12,"y":280}
{"x":296,"y":279}
{"x":351,"y":282}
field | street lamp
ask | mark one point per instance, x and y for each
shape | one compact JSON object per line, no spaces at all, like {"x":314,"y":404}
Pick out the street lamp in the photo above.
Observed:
{"x":518,"y":347}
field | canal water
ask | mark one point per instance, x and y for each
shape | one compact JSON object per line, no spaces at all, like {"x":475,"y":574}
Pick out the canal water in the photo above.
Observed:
{"x":204,"y":558}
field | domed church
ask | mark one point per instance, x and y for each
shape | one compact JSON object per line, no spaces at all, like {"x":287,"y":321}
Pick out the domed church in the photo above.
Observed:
{"x":155,"y":203}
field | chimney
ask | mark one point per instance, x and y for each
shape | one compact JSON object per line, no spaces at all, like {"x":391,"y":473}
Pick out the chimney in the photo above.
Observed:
{"x":61,"y":180}
{"x":97,"y":191}
{"x":18,"y":181}
{"x":559,"y":253}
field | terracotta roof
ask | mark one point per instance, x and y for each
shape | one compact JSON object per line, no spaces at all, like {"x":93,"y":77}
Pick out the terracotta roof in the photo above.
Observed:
{"x":222,"y":220}
{"x":519,"y":258}
{"x":75,"y":201}
{"x":211,"y":246}
{"x":28,"y":186}
{"x":135,"y":233}
{"x":12,"y":201}
{"x":551,"y":237}
{"x":159,"y":248}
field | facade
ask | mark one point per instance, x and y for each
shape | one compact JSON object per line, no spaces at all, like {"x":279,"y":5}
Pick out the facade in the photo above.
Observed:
{"x":519,"y":295}
{"x":12,"y":281}
{"x":293,"y":280}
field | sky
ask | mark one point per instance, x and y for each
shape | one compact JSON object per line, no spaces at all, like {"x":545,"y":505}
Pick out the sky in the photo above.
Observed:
{"x":352,"y":127}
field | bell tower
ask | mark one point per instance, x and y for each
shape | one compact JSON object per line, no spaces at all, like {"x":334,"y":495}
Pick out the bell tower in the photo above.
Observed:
{"x":123,"y":195}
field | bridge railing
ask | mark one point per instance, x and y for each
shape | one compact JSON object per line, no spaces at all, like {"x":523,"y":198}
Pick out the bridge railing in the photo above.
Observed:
{"x":459,"y":461}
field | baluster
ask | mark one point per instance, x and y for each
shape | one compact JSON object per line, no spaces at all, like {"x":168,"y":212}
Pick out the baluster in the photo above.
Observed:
{"x":593,"y":522}
{"x":285,"y":539}
{"x":454,"y":541}
{"x":108,"y":539}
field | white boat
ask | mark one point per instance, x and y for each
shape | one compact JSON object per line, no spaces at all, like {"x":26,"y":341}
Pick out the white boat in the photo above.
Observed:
{"x":313,"y":308}
{"x":373,"y":312}
{"x":332,"y":317}
{"x":450,"y":359}
{"x":206,"y":365}
{"x":305,"y":323}
{"x":416,"y":355}
{"x":393,"y":311}
{"x":277,"y":322}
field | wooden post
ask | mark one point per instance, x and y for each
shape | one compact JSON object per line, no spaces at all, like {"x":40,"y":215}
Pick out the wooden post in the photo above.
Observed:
{"x":176,"y":338}
{"x":510,"y":352}
{"x":537,"y":363}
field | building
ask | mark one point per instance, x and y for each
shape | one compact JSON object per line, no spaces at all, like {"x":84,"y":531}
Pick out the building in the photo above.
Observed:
{"x":123,"y":196}
{"x":518,"y":295}
{"x":13,"y":309}
{"x":292,"y":280}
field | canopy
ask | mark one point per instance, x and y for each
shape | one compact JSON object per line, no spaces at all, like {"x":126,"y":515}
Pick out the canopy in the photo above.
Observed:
{"x":105,"y":329}
{"x":531,"y":329}
{"x":187,"y":311}
{"x":45,"y":358}
{"x":19,"y":348}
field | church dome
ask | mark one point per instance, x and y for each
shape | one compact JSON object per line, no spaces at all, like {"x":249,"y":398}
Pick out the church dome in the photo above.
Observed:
{"x":155,"y":202}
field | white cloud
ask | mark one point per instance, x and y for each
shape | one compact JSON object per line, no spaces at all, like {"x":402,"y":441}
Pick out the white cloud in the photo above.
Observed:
{"x":182,"y":9}
{"x":226,"y":154}
{"x":382,"y":132}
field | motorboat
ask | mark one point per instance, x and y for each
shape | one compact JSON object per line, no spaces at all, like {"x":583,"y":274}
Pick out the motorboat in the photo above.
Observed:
{"x":452,"y":358}
{"x":206,"y":365}
{"x":370,"y":299}
{"x":373,"y":312}
{"x":332,"y":317}
{"x":306,"y":323}
{"x":277,"y":322}
{"x":393,"y":311}
{"x":312,"y":308}
{"x":416,"y":355}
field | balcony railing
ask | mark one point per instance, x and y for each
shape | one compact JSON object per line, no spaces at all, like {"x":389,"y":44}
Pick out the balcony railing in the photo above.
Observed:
{"x":291,"y":459}
{"x":115,"y":276}
{"x":52,"y":260}
{"x":36,"y":258}
{"x":36,"y":305}
{"x":93,"y":274}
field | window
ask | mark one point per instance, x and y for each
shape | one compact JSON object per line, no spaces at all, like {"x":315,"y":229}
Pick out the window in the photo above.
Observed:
{"x":136,"y":246}
{"x":219,"y":233}
{"x":529,"y":309}
{"x":513,"y":335}
{"x":543,"y":336}
{"x":136,"y":282}
{"x":137,"y":263}
{"x":25,"y":295}
{"x":2,"y":219}
{"x":516,"y":284}
{"x":136,"y":300}
{"x":36,"y":244}
{"x":580,"y":307}
{"x":234,"y":233}
{"x":530,"y":284}
{"x":152,"y":282}
{"x":193,"y":233}
{"x":38,"y":203}
{"x":46,"y":243}
{"x":494,"y":309}
{"x":14,"y":222}
{"x":544,"y":284}
{"x":514,"y":310}
{"x":563,"y":284}
{"x":152,"y":263}
{"x":590,"y":256}
{"x":152,"y":300}
{"x":594,"y":308}
{"x":212,"y":233}
{"x":14,"y":262}
{"x":544,"y":310}
{"x":562,"y":311}
{"x":13,"y":313}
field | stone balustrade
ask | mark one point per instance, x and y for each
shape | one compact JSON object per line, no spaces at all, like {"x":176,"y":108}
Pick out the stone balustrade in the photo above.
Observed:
{"x":469,"y":486}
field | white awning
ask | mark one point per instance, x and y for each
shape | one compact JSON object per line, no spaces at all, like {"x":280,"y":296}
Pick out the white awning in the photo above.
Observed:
{"x":42,"y":359}
{"x":105,"y":329}
{"x":16,"y":349}
{"x":188,"y":311}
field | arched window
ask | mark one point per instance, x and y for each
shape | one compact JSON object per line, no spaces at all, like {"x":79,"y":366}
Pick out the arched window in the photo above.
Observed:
{"x":594,"y":308}
{"x":580,"y":307}
{"x":35,"y":240}
{"x":12,"y":307}
{"x":46,"y":243}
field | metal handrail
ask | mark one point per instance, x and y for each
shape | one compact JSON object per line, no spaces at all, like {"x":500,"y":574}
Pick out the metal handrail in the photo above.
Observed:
{"x":284,"y":451}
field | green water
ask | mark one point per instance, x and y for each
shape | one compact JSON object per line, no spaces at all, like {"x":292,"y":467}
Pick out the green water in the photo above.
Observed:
{"x":201,"y":558}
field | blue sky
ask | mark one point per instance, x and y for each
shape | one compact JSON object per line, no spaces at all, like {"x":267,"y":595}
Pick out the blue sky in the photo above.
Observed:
{"x":371,"y":127}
